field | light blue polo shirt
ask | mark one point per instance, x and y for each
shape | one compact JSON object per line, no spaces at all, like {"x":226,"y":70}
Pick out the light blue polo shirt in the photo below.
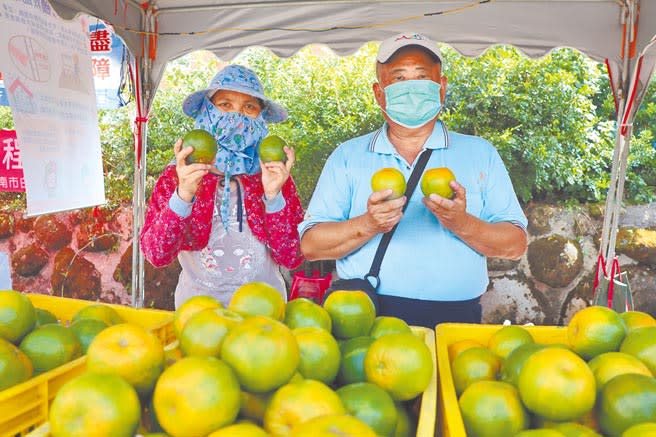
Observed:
{"x":424,"y":260}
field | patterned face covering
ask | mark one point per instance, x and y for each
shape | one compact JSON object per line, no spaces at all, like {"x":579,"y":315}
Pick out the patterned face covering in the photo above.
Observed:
{"x":237,"y":136}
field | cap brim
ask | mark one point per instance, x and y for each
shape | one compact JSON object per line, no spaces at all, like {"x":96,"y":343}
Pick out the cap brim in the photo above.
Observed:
{"x":272,"y":112}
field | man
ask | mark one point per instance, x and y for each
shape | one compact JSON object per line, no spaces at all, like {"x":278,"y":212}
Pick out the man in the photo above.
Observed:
{"x":435,"y":268}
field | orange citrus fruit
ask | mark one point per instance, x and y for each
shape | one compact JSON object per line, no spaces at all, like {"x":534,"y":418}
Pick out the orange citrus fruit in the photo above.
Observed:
{"x":436,"y":181}
{"x":371,"y":404}
{"x":352,"y":312}
{"x":384,"y":325}
{"x":94,"y":404}
{"x":263,"y":353}
{"x":15,"y":366}
{"x":595,"y":330}
{"x":86,"y":330}
{"x":272,"y":148}
{"x":43,"y":317}
{"x":99,"y":312}
{"x":190,"y":307}
{"x":333,"y":426}
{"x":507,"y":339}
{"x":258,"y":299}
{"x":646,"y":429}
{"x":204,"y":145}
{"x":240,"y":430}
{"x":351,"y":365}
{"x":389,"y":179}
{"x":607,"y":366}
{"x":50,"y":346}
{"x":557,"y":384}
{"x":573,"y":429}
{"x":474,"y":364}
{"x":402,"y":364}
{"x":196,"y":396}
{"x":637,"y":319}
{"x":320,"y":354}
{"x":512,"y":365}
{"x":303,"y":312}
{"x":492,"y":408}
{"x":458,"y":347}
{"x":626,"y":400}
{"x":204,"y":332}
{"x":129,"y":351}
{"x":17,"y":315}
{"x":299,"y":402}
{"x":641,"y":343}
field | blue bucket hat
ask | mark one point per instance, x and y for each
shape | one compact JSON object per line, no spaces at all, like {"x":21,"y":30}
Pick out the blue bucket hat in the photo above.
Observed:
{"x":240,"y":79}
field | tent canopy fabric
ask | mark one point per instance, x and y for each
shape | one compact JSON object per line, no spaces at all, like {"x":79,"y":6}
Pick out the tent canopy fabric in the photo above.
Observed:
{"x":620,"y":33}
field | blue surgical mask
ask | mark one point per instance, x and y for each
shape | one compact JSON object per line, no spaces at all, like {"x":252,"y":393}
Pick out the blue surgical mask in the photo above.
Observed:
{"x":412,"y":103}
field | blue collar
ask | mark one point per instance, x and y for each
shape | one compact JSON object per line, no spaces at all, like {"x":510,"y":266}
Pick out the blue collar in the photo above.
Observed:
{"x":380,"y":142}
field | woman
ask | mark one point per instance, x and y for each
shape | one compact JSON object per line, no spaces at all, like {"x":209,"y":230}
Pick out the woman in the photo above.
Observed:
{"x":196,"y":210}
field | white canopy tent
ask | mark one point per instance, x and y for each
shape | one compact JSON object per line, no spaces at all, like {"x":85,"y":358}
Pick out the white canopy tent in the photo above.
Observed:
{"x":158,"y":31}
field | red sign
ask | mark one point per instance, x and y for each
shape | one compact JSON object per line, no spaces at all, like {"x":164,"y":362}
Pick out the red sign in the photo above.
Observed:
{"x":11,"y":168}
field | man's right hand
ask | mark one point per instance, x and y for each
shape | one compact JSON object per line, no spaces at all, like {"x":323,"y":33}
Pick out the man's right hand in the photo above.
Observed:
{"x":189,"y":176}
{"x":383,"y":214}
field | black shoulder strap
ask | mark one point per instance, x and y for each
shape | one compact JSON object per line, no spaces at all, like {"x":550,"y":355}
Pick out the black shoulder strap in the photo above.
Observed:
{"x":384,"y":242}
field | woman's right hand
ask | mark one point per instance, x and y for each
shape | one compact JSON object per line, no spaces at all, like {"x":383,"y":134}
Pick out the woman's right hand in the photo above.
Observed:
{"x":189,"y":176}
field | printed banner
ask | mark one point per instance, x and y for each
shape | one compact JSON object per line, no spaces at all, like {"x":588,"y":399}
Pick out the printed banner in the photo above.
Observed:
{"x":11,"y":169}
{"x":46,"y":64}
{"x":108,"y":58}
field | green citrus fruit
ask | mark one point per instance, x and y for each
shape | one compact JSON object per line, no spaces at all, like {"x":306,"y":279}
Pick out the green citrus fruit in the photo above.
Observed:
{"x":646,"y":429}
{"x":303,"y":312}
{"x":595,"y":330}
{"x":474,"y":364}
{"x":95,"y":404}
{"x":272,"y":148}
{"x":626,"y":400}
{"x":15,"y":366}
{"x":352,"y":312}
{"x":99,"y":312}
{"x":258,"y":299}
{"x":573,"y":429}
{"x":333,"y":426}
{"x":637,"y":319}
{"x":436,"y":181}
{"x":372,"y":405}
{"x":557,"y":385}
{"x":492,"y":408}
{"x":43,"y":317}
{"x":611,"y":364}
{"x":204,"y":332}
{"x":204,"y":145}
{"x":539,"y":433}
{"x":50,"y":346}
{"x":389,"y":179}
{"x":351,"y":366}
{"x":384,"y":325}
{"x":641,"y":343}
{"x":190,"y":307}
{"x":17,"y":315}
{"x":263,"y":353}
{"x":240,"y":430}
{"x":512,"y":365}
{"x":320,"y":354}
{"x":506,"y":339}
{"x":86,"y":330}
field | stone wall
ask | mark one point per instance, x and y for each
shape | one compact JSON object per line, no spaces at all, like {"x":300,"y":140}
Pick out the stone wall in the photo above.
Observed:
{"x":87,"y":254}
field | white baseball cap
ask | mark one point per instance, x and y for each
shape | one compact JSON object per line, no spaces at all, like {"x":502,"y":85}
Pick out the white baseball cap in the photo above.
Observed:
{"x":391,"y":45}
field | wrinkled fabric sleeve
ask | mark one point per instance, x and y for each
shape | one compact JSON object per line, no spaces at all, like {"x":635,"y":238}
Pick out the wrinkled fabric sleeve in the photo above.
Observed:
{"x":163,"y":233}
{"x":281,"y":228}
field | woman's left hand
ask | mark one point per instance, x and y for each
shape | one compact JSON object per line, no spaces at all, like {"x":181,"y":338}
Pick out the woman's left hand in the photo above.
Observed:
{"x":275,"y":173}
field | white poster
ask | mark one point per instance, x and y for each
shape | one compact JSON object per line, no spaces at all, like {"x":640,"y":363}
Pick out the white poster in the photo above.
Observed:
{"x":46,"y":64}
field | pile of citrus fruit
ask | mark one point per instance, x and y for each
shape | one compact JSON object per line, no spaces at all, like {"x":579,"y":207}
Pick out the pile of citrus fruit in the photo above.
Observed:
{"x":33,"y":341}
{"x":258,"y":367}
{"x":599,"y":382}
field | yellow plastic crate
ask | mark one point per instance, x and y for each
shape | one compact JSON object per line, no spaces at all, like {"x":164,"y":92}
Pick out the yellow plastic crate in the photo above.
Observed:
{"x":426,"y":424}
{"x":449,"y":418}
{"x":25,"y":406}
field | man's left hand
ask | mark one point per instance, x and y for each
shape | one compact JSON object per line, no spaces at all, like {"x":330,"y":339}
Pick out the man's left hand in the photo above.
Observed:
{"x":452,"y":213}
{"x":276,"y":173}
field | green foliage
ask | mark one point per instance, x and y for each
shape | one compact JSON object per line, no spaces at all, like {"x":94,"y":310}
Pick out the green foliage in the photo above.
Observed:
{"x":552,"y":119}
